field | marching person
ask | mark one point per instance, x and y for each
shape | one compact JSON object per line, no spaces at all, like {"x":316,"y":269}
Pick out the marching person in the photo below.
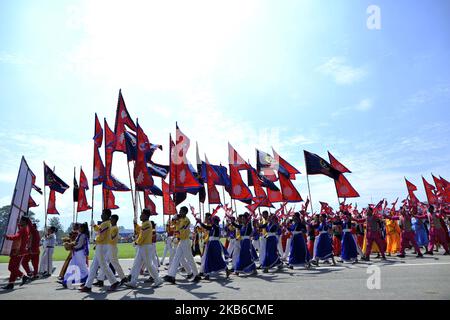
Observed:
{"x":46,"y":265}
{"x":214,"y":251}
{"x":18,"y":251}
{"x":79,"y":250}
{"x":207,"y":227}
{"x":183,"y":249}
{"x":373,"y":234}
{"x":272,"y":257}
{"x":33,"y":253}
{"x":67,"y":241}
{"x":168,"y":248}
{"x":143,"y":252}
{"x":323,"y":246}
{"x":298,"y":253}
{"x":349,"y":247}
{"x":437,"y":233}
{"x":112,"y":256}
{"x":102,"y":241}
{"x":245,"y":262}
{"x":262,"y":236}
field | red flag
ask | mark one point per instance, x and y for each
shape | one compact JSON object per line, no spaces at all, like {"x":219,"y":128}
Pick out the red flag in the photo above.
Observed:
{"x":213,"y":177}
{"x":110,"y":145}
{"x":216,"y":210}
{"x":98,"y":175}
{"x":337,"y":165}
{"x":109,"y":200}
{"x":285,"y":165}
{"x":149,"y":204}
{"x":439,"y":184}
{"x":257,"y":202}
{"x":280,"y":211}
{"x":51,"y":208}
{"x":344,"y":189}
{"x":122,"y":119}
{"x":169,"y":207}
{"x":239,"y":190}
{"x":324,"y":207}
{"x":83,"y":180}
{"x":142,"y":176}
{"x":429,"y":188}
{"x":411,"y":188}
{"x":259,"y":190}
{"x":274,"y":196}
{"x":32,"y":203}
{"x":82,"y":201}
{"x":289,"y":192}
{"x":98,"y":133}
{"x":236,"y":160}
{"x":181,"y":179}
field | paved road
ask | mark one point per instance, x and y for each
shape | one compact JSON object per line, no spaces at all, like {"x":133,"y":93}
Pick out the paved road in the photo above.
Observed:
{"x":409,"y":278}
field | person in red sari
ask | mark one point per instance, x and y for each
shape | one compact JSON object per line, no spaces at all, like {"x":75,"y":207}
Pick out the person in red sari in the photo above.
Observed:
{"x":18,"y":251}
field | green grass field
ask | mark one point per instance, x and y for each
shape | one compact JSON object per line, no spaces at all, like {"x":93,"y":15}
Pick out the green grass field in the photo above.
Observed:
{"x":126,"y":251}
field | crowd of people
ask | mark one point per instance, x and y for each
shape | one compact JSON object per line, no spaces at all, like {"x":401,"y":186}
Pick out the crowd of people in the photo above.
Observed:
{"x":265,"y":241}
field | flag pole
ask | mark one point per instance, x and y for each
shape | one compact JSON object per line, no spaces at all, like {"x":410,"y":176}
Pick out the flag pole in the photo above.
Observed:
{"x":45,"y":205}
{"x":92,"y":208}
{"x":73,"y":216}
{"x":309,"y":191}
{"x":131,"y":185}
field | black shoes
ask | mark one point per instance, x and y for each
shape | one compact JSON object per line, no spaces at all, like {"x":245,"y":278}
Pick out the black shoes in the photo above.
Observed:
{"x":25,"y":279}
{"x":402,"y":255}
{"x":99,"y":284}
{"x":190,"y":276}
{"x":169,"y":279}
{"x":9,"y":286}
{"x":114,"y":286}
{"x":197,"y":278}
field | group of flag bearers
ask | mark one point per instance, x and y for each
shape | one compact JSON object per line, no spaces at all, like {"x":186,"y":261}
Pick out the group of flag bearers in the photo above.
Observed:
{"x":249,"y":238}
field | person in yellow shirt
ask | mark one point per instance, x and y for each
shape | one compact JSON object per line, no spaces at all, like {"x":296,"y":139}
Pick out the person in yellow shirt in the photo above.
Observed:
{"x":112,"y":257}
{"x":143,"y":252}
{"x":168,"y":248}
{"x":102,"y":241}
{"x":183,"y":250}
{"x":392,"y":237}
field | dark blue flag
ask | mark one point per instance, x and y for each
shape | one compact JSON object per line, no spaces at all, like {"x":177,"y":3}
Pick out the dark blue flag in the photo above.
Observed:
{"x":53,"y":181}
{"x":317,"y":165}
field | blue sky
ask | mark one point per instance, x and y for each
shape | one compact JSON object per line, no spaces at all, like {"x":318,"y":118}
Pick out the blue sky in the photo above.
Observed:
{"x":293,"y":75}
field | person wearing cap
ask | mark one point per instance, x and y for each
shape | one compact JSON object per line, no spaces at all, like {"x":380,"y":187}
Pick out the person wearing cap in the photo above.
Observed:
{"x":271,"y":258}
{"x":298,"y":253}
{"x":245,"y":261}
{"x":213,"y":261}
{"x":183,"y":250}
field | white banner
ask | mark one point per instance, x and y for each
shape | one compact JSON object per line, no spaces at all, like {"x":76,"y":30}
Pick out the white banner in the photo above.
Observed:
{"x":19,"y":204}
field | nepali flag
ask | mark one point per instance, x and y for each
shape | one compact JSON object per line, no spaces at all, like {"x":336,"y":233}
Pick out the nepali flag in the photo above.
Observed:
{"x":158,"y":170}
{"x":254,"y":180}
{"x":131,"y":146}
{"x":289,"y":192}
{"x":76,"y":189}
{"x":142,"y":176}
{"x":98,"y":175}
{"x":82,"y":201}
{"x":284,"y":167}
{"x":149,"y":204}
{"x":336,"y":164}
{"x":51,"y":208}
{"x":32,"y":203}
{"x":213,"y":177}
{"x":266,"y":165}
{"x":439,"y":184}
{"x":98,"y":133}
{"x":122,"y":119}
{"x":325,"y":208}
{"x":317,"y":165}
{"x":110,"y":145}
{"x":235,"y":160}
{"x":239,"y":189}
{"x":274,"y":196}
{"x":109,"y":200}
{"x":112,"y":183}
{"x":257,"y":202}
{"x":33,"y":183}
{"x":344,"y":189}
{"x":182,"y":179}
{"x":429,"y":190}
{"x":411,"y":188}
{"x":222,"y":172}
{"x":169,"y":207}
{"x":52,"y":181}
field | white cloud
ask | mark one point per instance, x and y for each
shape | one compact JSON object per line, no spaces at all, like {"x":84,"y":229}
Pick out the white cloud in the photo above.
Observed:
{"x":341,"y":72}
{"x":12,"y":58}
{"x":363,"y":105}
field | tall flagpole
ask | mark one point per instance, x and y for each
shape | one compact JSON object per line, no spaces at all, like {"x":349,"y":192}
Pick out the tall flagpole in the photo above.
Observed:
{"x":45,"y":204}
{"x":309,"y":190}
{"x":92,"y":208}
{"x":131,"y":185}
{"x":73,"y":216}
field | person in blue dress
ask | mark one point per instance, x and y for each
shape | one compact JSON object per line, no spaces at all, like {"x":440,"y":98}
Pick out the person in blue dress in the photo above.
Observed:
{"x":245,"y":262}
{"x":214,"y":251}
{"x":421,"y":234}
{"x":298,"y":253}
{"x":272,"y":257}
{"x":349,"y":248}
{"x":323,"y":247}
